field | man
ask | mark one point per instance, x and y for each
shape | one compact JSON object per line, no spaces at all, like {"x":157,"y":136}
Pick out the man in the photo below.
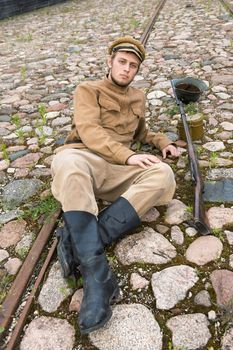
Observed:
{"x":97,"y":163}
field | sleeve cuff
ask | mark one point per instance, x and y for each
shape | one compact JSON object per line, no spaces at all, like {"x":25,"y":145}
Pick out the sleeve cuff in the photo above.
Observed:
{"x":122,"y":156}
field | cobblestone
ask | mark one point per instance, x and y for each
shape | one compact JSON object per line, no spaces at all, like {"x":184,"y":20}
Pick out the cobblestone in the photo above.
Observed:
{"x":44,"y":55}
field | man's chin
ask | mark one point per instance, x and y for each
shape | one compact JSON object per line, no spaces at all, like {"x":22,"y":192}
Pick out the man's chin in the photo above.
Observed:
{"x":122,"y":83}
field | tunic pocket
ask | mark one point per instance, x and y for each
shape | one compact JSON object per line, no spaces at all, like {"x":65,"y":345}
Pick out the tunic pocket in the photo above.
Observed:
{"x":137,"y":111}
{"x":110,"y":114}
{"x":108,"y":105}
{"x":120,"y":121}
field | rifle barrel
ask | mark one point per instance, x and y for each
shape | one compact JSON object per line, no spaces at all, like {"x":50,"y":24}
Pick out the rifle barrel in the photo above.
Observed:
{"x":201,"y":222}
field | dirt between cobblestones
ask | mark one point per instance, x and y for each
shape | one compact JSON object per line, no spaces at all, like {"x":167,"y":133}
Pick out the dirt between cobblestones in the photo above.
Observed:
{"x":176,"y":286}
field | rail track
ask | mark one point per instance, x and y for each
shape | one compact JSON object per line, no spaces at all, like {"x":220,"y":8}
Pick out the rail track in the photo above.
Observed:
{"x":15,"y":294}
{"x":228,"y":5}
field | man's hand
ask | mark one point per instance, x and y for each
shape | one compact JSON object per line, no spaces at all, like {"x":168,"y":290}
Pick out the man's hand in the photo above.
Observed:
{"x":170,"y":149}
{"x":143,"y":160}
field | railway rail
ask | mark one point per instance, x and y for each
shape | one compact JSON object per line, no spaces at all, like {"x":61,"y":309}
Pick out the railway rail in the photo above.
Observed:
{"x":228,"y":5}
{"x":14,"y":296}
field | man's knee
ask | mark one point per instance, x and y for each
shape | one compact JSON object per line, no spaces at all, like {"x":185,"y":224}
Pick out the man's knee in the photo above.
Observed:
{"x":67,"y":159}
{"x":168,"y":173}
{"x":164,"y":173}
{"x":166,"y":183}
{"x":62,"y":159}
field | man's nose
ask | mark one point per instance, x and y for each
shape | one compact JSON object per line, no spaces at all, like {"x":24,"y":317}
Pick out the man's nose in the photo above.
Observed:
{"x":127,"y":67}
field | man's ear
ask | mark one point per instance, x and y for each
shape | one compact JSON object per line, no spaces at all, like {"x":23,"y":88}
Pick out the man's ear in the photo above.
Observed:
{"x":109,"y":62}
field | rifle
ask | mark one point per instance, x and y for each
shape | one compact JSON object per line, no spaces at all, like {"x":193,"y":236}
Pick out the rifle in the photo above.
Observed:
{"x":201,"y":222}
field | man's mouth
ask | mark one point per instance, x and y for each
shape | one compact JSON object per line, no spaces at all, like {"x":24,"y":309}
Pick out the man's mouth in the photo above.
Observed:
{"x":124,"y":76}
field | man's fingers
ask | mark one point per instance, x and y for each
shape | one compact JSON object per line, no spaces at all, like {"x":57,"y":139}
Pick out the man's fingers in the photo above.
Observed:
{"x":142,"y":165}
{"x":172,"y":150}
{"x":147,"y":162}
{"x":151,"y":162}
{"x":152,"y":159}
{"x":143,"y":160}
{"x":164,"y":153}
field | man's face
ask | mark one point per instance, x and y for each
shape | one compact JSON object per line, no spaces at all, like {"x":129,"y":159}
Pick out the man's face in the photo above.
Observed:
{"x":123,"y":67}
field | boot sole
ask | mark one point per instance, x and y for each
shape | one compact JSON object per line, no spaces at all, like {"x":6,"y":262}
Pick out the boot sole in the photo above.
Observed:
{"x":113,"y":298}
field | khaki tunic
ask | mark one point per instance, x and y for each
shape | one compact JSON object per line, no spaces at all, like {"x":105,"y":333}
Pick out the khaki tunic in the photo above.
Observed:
{"x":108,"y":118}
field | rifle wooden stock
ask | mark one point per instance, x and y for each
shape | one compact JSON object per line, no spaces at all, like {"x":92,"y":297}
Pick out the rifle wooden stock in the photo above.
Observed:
{"x":201,"y":222}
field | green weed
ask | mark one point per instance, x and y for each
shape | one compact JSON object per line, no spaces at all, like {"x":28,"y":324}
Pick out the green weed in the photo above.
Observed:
{"x":112,"y":259}
{"x":2,"y":329}
{"x":15,"y":119}
{"x":42,"y":122}
{"x":200,"y":150}
{"x":80,"y":282}
{"x":138,"y":145}
{"x":213,"y":159}
{"x":27,"y":37}
{"x":208,"y":4}
{"x":45,"y":207}
{"x":218,"y":233}
{"x":134,"y":23}
{"x":189,"y":209}
{"x":42,"y":137}
{"x":72,"y":283}
{"x":4,"y":285}
{"x":64,"y":291}
{"x":3,"y":149}
{"x":171,"y":347}
{"x":173,"y":111}
{"x":42,"y":111}
{"x":23,"y":72}
{"x":200,"y":274}
{"x":191,"y":109}
{"x":20,"y":134}
{"x":22,"y":252}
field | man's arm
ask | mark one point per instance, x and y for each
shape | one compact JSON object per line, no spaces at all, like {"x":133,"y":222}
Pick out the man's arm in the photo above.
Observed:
{"x":92,"y":134}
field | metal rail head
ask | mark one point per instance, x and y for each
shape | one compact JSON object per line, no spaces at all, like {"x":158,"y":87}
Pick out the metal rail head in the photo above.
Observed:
{"x":15,"y":336}
{"x":19,"y":285}
{"x":228,"y":6}
{"x":145,"y":36}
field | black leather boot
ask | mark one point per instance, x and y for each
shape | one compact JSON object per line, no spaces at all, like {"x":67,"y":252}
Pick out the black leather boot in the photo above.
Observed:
{"x":114,"y":222}
{"x":65,"y":254}
{"x":100,"y":285}
{"x":100,"y":289}
{"x":117,"y":220}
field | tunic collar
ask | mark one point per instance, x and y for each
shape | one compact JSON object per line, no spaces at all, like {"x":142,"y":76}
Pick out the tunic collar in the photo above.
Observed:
{"x":116,"y":88}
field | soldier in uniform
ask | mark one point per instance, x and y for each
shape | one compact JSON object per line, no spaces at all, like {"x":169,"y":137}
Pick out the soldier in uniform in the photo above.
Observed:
{"x":96,"y":162}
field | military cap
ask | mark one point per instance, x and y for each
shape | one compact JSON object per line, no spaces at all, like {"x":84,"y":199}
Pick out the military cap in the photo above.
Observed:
{"x":127,"y":43}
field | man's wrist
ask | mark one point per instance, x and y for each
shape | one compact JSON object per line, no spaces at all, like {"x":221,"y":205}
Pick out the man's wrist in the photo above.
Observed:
{"x":126,"y":162}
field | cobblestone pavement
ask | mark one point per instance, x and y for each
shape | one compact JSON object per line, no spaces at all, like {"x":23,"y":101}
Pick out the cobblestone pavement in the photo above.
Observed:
{"x":177,"y":286}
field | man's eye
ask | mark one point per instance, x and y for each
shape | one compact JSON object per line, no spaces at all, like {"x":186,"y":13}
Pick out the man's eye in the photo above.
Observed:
{"x":134,"y":66}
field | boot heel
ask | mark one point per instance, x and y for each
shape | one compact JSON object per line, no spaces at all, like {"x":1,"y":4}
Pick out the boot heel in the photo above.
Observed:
{"x":64,"y":254}
{"x":116,"y":296}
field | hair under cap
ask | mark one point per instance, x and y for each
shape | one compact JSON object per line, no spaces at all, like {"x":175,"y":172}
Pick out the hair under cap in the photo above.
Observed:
{"x":127,"y":43}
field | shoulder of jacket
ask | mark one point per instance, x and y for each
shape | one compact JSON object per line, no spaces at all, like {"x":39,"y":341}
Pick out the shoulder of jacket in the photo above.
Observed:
{"x":136,"y":91}
{"x":90,"y":84}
